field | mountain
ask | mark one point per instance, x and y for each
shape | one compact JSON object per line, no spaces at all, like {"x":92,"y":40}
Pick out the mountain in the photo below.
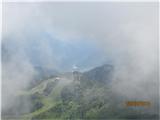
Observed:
{"x":73,"y":95}
{"x":44,"y":72}
{"x":101,"y":74}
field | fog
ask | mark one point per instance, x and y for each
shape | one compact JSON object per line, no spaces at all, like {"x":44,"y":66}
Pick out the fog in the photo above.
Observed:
{"x":122,"y":34}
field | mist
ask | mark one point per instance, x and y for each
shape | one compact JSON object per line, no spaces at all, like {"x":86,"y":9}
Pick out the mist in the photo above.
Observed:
{"x":60,"y":35}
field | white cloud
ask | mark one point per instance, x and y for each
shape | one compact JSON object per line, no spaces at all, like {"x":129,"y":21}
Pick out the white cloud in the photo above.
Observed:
{"x":127,"y":32}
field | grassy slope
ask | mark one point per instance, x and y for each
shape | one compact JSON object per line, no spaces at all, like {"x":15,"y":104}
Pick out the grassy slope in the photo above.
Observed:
{"x":48,"y":101}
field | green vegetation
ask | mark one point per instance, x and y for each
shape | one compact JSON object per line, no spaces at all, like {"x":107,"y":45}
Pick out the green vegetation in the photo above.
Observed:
{"x":63,"y":99}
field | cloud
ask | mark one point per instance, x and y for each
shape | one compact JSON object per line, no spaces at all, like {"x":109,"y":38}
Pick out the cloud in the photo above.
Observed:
{"x":126,"y":34}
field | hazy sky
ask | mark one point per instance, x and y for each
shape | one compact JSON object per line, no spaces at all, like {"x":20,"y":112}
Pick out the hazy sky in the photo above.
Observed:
{"x":70,"y":33}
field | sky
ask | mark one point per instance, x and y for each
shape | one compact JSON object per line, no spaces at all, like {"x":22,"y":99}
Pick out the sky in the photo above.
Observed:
{"x":61,"y":35}
{"x":36,"y":26}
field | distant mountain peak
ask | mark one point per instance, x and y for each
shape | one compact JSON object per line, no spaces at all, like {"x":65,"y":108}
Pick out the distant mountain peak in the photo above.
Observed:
{"x":101,"y":73}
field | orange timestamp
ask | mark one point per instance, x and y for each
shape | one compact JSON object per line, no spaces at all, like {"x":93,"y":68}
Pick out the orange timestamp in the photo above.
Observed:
{"x":137,"y":103}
